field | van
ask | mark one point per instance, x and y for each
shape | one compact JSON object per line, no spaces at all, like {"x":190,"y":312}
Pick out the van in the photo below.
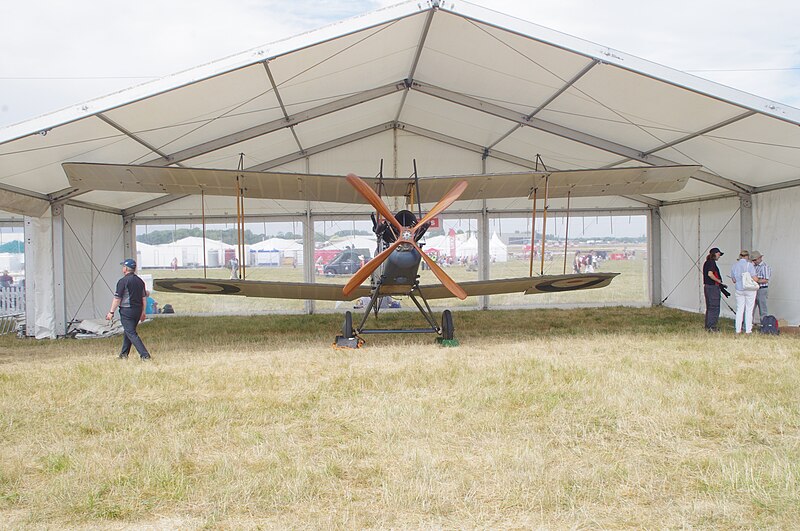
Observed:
{"x":347,"y":262}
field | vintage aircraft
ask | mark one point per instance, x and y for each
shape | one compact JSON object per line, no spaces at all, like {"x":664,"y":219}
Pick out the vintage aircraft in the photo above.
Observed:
{"x":394,"y":270}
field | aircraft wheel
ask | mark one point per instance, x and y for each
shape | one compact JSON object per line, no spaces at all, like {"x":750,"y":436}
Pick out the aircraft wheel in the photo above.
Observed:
{"x":448,"y":331}
{"x":347,"y":329}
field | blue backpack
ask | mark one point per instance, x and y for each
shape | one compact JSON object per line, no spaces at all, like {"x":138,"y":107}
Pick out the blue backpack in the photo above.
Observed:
{"x":769,"y":325}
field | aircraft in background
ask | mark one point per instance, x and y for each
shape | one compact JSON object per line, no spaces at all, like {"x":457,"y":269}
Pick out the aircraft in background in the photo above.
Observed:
{"x":394,"y":271}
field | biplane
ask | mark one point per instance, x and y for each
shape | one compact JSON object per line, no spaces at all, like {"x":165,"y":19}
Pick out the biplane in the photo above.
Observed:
{"x":394,"y":271}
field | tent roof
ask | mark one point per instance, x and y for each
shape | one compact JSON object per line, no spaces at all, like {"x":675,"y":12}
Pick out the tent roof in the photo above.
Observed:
{"x":459,"y":89}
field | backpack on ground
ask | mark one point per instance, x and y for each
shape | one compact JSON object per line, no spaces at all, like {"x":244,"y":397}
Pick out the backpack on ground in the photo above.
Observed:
{"x":769,"y":325}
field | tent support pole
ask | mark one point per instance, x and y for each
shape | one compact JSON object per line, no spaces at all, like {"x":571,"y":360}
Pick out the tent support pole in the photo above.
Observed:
{"x":203,"y":214}
{"x":566,"y":235}
{"x":533,"y":231}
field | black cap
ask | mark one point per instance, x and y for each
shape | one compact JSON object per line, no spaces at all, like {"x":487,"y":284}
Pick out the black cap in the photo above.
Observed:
{"x":130,"y":263}
{"x":716,"y":250}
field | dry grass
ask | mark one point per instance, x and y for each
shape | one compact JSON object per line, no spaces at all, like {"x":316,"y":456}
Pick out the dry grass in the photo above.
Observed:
{"x":549,"y":418}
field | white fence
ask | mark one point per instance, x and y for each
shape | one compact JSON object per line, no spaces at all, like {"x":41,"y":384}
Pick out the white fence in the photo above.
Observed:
{"x":12,"y":308}
{"x":12,"y":300}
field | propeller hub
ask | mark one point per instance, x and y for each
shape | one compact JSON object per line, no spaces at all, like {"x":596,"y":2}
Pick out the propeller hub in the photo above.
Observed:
{"x":406,"y":234}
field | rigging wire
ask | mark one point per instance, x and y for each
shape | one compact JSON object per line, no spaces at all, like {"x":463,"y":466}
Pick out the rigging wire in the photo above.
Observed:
{"x":695,"y":261}
{"x":91,"y":261}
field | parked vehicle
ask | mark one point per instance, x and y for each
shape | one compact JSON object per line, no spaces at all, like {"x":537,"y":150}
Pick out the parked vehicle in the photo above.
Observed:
{"x":347,"y":262}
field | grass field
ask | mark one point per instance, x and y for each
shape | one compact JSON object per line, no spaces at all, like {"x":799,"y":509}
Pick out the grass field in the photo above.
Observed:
{"x":588,"y":418}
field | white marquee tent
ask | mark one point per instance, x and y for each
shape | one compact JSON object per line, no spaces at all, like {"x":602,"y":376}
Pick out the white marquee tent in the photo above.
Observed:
{"x":456,"y":87}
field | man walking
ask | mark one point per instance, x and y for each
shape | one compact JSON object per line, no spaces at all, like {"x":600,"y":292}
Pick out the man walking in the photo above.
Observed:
{"x":130,"y":298}
{"x":763,"y":271}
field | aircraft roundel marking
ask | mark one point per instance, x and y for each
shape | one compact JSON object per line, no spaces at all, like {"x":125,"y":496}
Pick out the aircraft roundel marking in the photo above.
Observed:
{"x":214,"y":288}
{"x":570,"y":284}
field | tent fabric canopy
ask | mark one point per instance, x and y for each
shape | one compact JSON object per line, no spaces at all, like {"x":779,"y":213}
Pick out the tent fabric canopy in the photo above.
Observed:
{"x":412,"y":81}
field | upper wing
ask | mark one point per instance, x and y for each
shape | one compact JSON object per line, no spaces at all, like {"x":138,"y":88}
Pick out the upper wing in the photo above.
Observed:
{"x":334,"y":188}
{"x":528,"y":285}
{"x":576,"y":183}
{"x":260,"y":288}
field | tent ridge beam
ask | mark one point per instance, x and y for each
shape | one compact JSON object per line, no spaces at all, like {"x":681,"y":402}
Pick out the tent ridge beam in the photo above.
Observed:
{"x":153,"y":203}
{"x":571,"y":134}
{"x":415,"y":62}
{"x":701,"y":132}
{"x":20,"y":191}
{"x":325,"y":146}
{"x":66,"y":193}
{"x":777,"y":186}
{"x":536,"y":123}
{"x":469,"y":146}
{"x":280,"y":102}
{"x":281,"y":123}
{"x":644,"y":199}
{"x":585,"y":70}
{"x":714,"y":197}
{"x":91,"y":206}
{"x":129,"y":134}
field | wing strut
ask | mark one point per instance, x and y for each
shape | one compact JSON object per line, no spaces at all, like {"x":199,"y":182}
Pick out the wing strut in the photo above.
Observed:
{"x":533,"y":231}
{"x":544,"y":209}
{"x":240,"y":219}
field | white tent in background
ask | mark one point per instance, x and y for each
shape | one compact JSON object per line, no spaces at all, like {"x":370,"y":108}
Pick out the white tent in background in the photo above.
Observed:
{"x":189,"y":253}
{"x":274,"y":250}
{"x":356,"y":242}
{"x":467,"y":249}
{"x":277,"y":244}
{"x":498,"y":251}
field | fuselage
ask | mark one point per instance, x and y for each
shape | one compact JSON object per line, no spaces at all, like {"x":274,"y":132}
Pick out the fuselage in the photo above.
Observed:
{"x":398,"y":274}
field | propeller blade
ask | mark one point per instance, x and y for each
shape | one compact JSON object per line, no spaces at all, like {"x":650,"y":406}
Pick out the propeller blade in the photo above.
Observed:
{"x":373,"y":199}
{"x":443,"y":277}
{"x":448,"y":199}
{"x":367,"y":269}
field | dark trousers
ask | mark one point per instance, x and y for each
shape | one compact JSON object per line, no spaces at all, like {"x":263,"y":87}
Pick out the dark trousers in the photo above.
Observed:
{"x":129,"y":323}
{"x":712,"y":294}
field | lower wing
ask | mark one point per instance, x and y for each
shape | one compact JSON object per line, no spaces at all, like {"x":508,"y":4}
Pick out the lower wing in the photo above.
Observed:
{"x":261,"y":288}
{"x":333,"y":292}
{"x":527,"y":285}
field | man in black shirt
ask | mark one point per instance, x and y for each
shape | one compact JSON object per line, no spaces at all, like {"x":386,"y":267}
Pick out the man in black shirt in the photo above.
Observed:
{"x":712,"y":284}
{"x":130,"y":298}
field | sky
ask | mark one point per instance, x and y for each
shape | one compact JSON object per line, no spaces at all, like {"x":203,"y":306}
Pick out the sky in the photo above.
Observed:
{"x":58,"y":54}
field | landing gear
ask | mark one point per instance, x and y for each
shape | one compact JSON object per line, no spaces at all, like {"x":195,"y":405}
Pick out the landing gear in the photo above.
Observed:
{"x":348,"y":338}
{"x":448,"y":330}
{"x":347,"y":329}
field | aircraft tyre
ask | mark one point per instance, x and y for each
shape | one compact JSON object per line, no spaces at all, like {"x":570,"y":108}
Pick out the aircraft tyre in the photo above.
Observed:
{"x":347,"y":329}
{"x":448,"y":331}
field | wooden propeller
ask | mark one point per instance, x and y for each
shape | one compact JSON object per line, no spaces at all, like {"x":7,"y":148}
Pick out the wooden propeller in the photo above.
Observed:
{"x":404,"y":235}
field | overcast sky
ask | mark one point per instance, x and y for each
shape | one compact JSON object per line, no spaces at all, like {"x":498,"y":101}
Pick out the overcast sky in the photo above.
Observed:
{"x":56,"y":54}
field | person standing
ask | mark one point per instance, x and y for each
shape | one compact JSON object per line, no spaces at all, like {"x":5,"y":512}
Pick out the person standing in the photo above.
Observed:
{"x":130,"y":297}
{"x":745,"y":299}
{"x":234,"y":268}
{"x":764,"y":272}
{"x":712,"y":282}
